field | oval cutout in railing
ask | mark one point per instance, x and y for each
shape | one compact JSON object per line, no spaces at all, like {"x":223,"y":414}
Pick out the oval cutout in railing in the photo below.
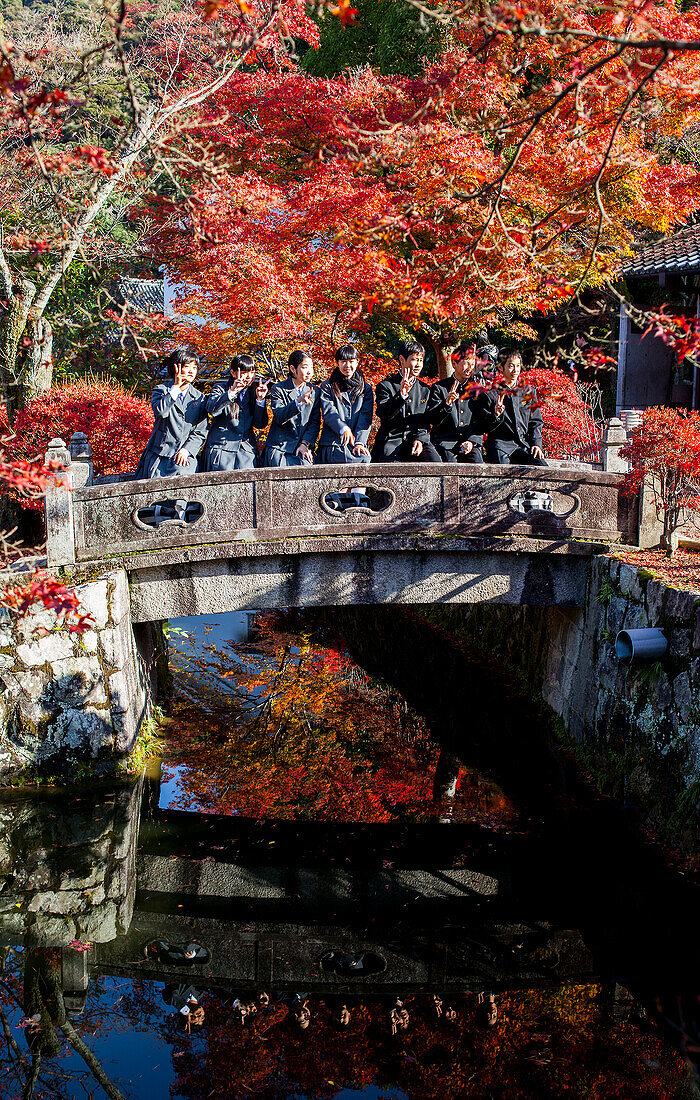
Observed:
{"x":366,"y":500}
{"x":168,"y":513}
{"x":353,"y":964}
{"x":544,"y":504}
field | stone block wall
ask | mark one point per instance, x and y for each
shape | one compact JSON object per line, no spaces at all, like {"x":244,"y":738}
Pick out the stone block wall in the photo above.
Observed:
{"x":640,"y":720}
{"x":68,"y":697}
{"x":636,"y":725}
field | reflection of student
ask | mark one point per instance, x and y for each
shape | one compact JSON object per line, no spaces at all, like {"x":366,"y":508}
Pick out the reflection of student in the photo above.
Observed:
{"x":236,"y":407}
{"x":185,"y":999}
{"x":180,"y":421}
{"x":487,"y":1010}
{"x":299,"y":1010}
{"x":398,"y":1017}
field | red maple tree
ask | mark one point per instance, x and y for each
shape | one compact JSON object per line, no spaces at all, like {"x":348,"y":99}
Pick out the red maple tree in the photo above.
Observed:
{"x":664,"y":451}
{"x":494,"y":184}
{"x":569,"y":429}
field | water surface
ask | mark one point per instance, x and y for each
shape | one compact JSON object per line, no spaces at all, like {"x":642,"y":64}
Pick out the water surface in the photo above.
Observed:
{"x":336,"y":851}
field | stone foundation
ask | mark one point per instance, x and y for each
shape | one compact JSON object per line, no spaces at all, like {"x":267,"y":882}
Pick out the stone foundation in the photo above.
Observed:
{"x":71,"y":697}
{"x":636,"y":725}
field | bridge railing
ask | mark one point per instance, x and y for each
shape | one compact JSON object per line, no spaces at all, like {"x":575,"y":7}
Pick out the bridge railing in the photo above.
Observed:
{"x":96,"y":522}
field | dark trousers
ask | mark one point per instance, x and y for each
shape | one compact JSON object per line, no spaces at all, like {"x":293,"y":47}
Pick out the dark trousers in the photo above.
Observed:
{"x":446,"y":455}
{"x":428,"y":454}
{"x":505,"y":453}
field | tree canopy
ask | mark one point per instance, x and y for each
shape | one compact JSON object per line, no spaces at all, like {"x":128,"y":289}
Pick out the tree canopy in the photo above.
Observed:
{"x":506,"y":176}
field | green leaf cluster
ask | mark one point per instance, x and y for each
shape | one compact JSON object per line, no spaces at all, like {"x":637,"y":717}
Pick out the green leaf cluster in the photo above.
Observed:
{"x":389,"y":35}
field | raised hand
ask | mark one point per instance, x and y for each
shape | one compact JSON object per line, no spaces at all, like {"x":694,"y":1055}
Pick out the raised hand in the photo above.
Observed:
{"x":407,"y":380}
{"x":235,"y":386}
{"x":180,"y":381}
{"x":500,"y":404}
{"x":261,"y":390}
{"x":306,"y":397}
{"x":453,"y":393}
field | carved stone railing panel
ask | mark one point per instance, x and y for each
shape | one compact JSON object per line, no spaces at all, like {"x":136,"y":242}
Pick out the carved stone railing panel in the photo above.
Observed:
{"x":279,"y":503}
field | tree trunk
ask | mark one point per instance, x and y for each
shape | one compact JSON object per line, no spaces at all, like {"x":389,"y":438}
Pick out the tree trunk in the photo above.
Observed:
{"x":443,"y":354}
{"x":12,"y":326}
{"x":90,"y":1060}
{"x":38,"y":370}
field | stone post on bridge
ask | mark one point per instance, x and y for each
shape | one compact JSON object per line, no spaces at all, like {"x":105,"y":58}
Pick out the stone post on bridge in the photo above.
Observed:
{"x":79,"y":472}
{"x":81,"y":465}
{"x":614,"y":437}
{"x":58,"y":508}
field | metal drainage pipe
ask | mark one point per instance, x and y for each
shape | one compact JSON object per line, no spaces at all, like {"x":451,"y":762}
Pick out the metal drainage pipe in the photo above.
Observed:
{"x":646,"y":644}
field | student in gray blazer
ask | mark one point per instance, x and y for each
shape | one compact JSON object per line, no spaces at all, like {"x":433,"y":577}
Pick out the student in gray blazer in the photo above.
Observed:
{"x":181,"y":421}
{"x":236,"y":406}
{"x":296,"y":415}
{"x":347,"y":404}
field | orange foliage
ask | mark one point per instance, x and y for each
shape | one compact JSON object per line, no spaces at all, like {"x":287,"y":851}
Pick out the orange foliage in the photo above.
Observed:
{"x":547,"y":1043}
{"x":309,"y":738}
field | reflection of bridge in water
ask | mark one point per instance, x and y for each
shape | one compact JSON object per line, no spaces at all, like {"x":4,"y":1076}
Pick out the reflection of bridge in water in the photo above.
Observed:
{"x":445,"y":907}
{"x":270,"y":900}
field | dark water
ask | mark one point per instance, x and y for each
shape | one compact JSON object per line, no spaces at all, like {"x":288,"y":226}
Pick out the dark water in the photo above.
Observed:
{"x":339,"y":854}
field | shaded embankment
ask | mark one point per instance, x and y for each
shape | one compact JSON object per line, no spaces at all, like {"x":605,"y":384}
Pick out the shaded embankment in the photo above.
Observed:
{"x":585,"y":861}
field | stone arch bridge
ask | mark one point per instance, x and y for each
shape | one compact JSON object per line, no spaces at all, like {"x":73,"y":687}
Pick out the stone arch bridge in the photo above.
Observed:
{"x":140,"y":552}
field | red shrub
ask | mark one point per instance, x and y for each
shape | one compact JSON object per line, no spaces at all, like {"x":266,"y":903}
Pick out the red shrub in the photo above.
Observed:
{"x":569,"y":428}
{"x":116,"y":423}
{"x":664,"y":451}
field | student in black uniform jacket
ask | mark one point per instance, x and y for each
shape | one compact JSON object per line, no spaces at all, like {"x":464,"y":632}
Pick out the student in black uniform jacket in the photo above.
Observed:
{"x":402,"y":407}
{"x":512,"y":420}
{"x":456,"y":433}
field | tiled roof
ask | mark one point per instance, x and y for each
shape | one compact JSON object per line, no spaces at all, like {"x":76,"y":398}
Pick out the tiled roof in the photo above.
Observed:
{"x":146,"y":295}
{"x":678,"y":253}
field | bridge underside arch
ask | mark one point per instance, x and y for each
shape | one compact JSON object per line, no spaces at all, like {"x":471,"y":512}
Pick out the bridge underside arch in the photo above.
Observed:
{"x":355,"y":571}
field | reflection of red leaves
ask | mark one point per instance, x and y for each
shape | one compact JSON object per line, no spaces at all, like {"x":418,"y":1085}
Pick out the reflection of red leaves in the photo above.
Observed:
{"x":79,"y":945}
{"x":30,"y":1022}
